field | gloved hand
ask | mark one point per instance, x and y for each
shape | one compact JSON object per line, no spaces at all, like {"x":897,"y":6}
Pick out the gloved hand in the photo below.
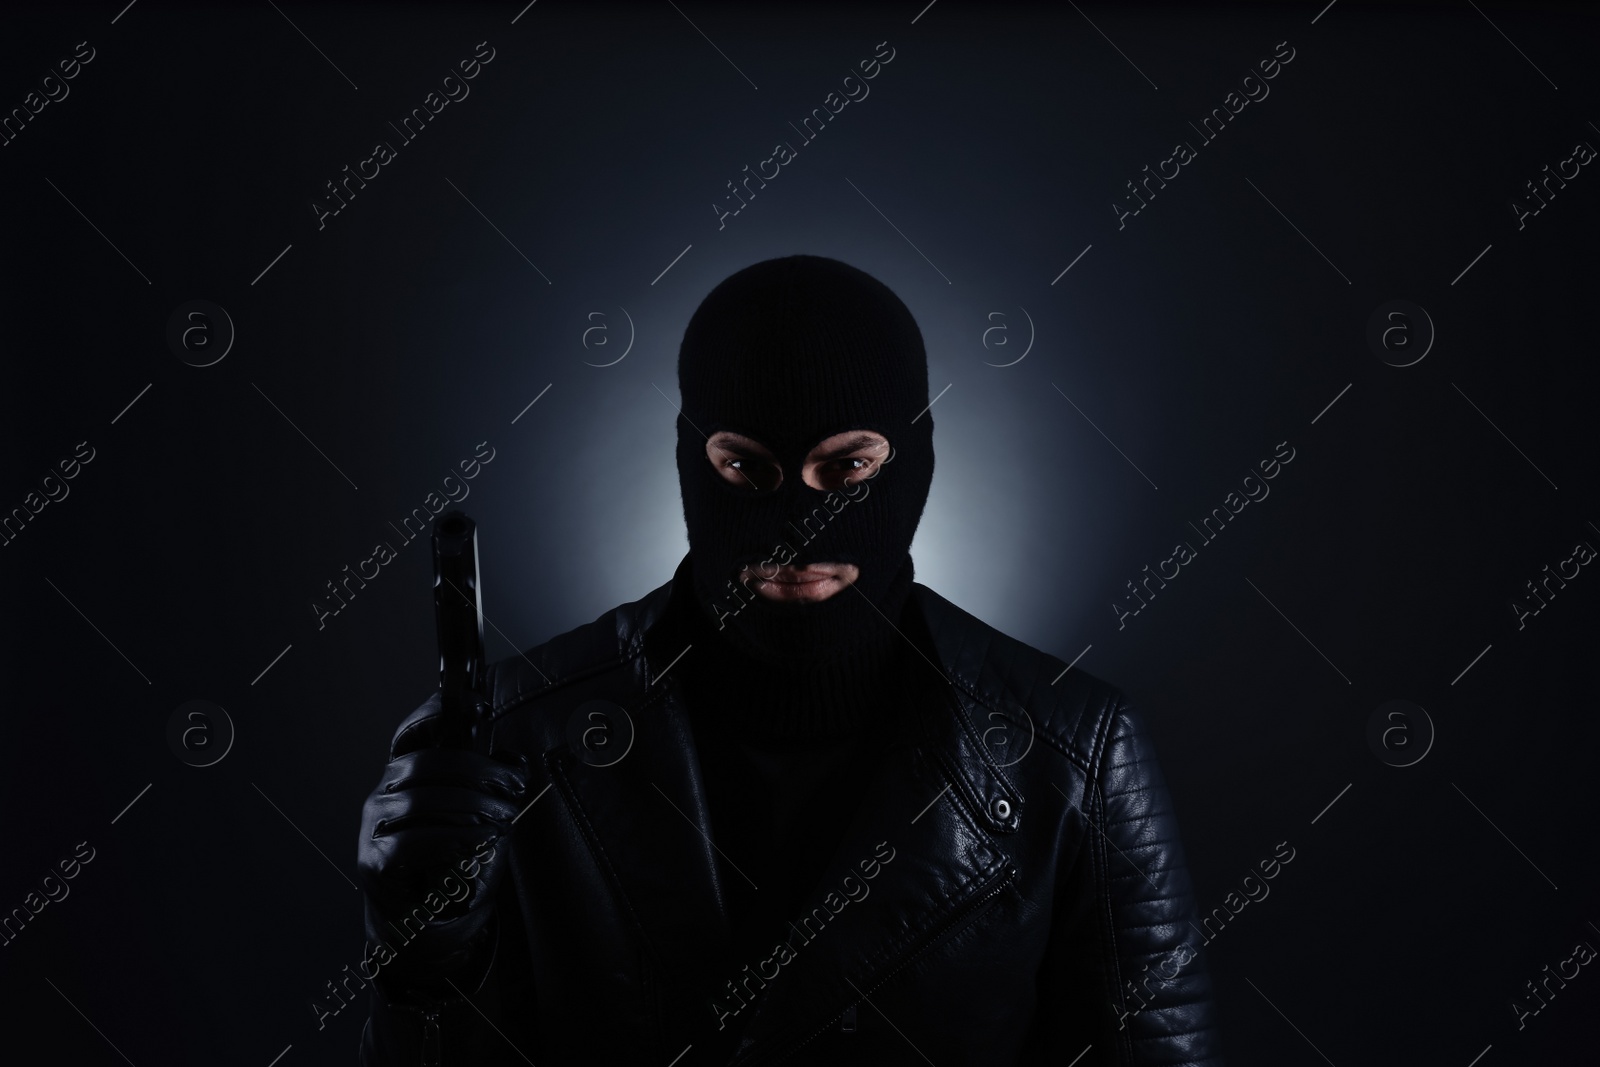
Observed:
{"x":433,"y":848}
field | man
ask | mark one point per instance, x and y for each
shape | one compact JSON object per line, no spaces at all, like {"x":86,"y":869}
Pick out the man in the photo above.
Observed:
{"x":792,"y":806}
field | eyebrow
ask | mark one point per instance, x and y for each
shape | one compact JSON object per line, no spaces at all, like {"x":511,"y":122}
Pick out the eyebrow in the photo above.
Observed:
{"x":740,"y":445}
{"x":852,"y":444}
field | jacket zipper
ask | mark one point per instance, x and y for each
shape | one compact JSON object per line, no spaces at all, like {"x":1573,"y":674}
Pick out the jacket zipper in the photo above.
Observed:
{"x":967,"y":912}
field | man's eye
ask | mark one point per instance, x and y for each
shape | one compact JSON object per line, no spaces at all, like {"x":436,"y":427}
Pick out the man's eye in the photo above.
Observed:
{"x":846,"y":470}
{"x":755,"y":474}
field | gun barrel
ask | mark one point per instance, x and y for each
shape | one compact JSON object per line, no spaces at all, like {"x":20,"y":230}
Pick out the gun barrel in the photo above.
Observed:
{"x":458,"y":613}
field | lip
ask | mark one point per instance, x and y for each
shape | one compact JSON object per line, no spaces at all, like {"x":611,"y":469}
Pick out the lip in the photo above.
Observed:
{"x":811,"y":579}
{"x":812,"y":583}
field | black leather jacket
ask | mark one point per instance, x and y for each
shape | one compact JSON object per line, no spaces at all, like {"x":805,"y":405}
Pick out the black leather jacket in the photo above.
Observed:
{"x":1027,"y":900}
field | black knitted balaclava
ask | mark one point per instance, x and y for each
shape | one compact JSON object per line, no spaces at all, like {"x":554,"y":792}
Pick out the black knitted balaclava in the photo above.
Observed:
{"x":789,"y":352}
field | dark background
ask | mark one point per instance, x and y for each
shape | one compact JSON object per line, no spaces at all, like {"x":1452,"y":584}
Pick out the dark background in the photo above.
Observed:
{"x":1196,"y":338}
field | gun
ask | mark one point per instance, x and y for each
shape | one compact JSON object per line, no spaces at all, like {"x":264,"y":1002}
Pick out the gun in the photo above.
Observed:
{"x":458,"y":615}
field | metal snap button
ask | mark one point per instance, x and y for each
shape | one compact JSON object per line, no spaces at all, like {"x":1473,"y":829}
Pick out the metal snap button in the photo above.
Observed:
{"x":1001,"y":808}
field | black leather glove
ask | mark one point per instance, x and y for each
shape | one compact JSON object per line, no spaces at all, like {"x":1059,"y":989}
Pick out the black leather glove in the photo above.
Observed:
{"x":434,"y":847}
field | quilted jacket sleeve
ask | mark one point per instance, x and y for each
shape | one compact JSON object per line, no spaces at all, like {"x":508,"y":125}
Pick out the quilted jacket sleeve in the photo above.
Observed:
{"x":1126,"y":975}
